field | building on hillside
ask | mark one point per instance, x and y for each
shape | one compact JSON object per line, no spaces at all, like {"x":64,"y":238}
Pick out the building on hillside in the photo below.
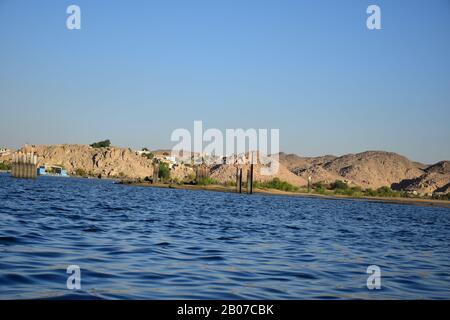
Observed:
{"x":143,"y":152}
{"x":4,"y":151}
{"x":169,"y":160}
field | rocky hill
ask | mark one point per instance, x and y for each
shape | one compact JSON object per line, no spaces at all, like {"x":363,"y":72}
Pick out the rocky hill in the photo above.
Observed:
{"x":227,"y":172}
{"x":374,"y":169}
{"x":111,"y":162}
{"x":436,"y":178}
{"x":370,"y":169}
{"x":293,"y":161}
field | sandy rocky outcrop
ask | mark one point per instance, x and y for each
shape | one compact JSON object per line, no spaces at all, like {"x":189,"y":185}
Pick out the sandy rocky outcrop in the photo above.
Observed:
{"x":111,"y":162}
{"x":226,"y":173}
{"x":372,"y":169}
{"x":293,"y":161}
{"x":182,"y":173}
{"x":436,"y":179}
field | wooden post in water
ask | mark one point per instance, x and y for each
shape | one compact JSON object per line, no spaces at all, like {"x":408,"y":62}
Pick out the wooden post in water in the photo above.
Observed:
{"x":237,"y":179}
{"x":198,"y":174}
{"x":155,"y":172}
{"x":250,"y":180}
{"x":240,"y":180}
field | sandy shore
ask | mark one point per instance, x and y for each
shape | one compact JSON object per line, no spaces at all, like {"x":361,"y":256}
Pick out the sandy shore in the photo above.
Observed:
{"x":221,"y":188}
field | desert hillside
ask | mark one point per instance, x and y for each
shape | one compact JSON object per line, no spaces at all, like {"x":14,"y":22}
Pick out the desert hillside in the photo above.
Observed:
{"x":436,"y":178}
{"x":110,"y":162}
{"x":370,"y":169}
{"x":227,"y":172}
{"x":293,"y":161}
{"x":373,"y":169}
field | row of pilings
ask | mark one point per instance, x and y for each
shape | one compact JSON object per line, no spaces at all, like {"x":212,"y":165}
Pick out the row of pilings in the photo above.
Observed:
{"x":24,"y":165}
{"x":202,"y":173}
{"x":239,"y":179}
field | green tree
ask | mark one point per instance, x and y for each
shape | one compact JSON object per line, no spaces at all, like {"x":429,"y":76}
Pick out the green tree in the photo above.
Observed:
{"x":101,"y":144}
{"x":80,"y":172}
{"x":276,"y":183}
{"x":149,"y":156}
{"x":164,"y":171}
{"x":338,"y":184}
{"x":319,"y":187}
{"x":207,"y":181}
{"x":387,"y":192}
{"x":5,"y":166}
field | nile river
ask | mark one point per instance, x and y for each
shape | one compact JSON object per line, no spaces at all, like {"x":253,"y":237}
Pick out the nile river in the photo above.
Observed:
{"x":150,"y":243}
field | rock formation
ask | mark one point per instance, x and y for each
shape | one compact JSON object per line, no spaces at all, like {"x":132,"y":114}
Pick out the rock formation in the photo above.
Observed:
{"x":111,"y":162}
{"x":436,"y":178}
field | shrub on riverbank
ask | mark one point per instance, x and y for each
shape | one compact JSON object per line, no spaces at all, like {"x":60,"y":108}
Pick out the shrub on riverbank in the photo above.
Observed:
{"x":230,"y":183}
{"x":207,"y":181}
{"x":319,"y":187}
{"x":276,"y":183}
{"x":442,"y":196}
{"x":164,"y":171}
{"x":80,"y":172}
{"x":350,"y":191}
{"x":339,"y":185}
{"x":385,"y":192}
{"x":342,"y":188}
{"x":5,"y":166}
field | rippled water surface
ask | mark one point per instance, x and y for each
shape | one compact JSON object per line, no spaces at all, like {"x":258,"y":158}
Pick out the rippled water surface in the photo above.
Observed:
{"x":149,"y":243}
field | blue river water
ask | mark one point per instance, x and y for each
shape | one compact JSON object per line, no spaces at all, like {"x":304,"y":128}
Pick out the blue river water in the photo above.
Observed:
{"x":150,"y":243}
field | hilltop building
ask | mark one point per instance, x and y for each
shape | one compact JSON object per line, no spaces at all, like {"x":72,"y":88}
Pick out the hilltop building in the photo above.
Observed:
{"x":4,"y":151}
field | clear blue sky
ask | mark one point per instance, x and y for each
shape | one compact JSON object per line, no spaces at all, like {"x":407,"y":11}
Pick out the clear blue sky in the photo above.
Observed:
{"x":139,"y":69}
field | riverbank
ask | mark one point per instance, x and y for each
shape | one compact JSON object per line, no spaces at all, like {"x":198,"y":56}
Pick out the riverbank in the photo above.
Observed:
{"x":231,"y":189}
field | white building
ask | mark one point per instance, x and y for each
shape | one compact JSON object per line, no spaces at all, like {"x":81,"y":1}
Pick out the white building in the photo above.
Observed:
{"x":4,"y":151}
{"x":142,"y":152}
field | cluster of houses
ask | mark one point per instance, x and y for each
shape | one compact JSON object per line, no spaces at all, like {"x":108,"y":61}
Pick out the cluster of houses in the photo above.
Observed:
{"x":169,"y":158}
{"x":192,"y":159}
{"x":165,"y":157}
{"x":4,"y":152}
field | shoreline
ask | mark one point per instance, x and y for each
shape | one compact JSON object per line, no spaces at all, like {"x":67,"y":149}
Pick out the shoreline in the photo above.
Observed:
{"x":221,"y":188}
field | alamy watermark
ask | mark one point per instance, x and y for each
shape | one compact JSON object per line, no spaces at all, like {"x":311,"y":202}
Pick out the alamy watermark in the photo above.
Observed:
{"x":73,"y":21}
{"x":374,"y":280}
{"x":235,"y":146}
{"x":373,"y":22}
{"x":74,"y":280}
